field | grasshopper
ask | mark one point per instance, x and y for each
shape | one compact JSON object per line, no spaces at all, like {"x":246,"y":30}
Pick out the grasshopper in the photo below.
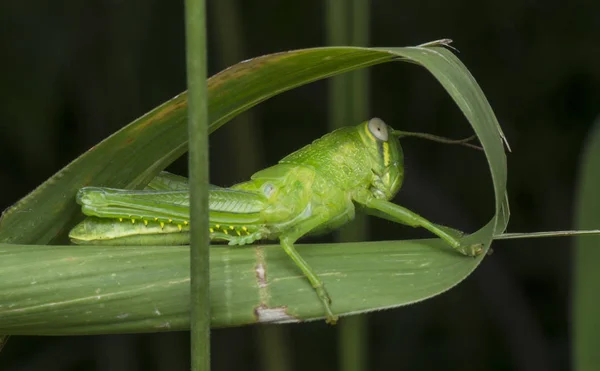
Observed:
{"x":313,"y":190}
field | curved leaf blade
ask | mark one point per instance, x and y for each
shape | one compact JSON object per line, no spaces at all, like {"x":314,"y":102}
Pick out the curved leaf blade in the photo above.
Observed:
{"x":60,"y":290}
{"x":150,"y":143}
{"x":133,"y":155}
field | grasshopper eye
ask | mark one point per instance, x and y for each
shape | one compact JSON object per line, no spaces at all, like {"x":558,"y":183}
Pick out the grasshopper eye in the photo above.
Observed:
{"x":378,"y":128}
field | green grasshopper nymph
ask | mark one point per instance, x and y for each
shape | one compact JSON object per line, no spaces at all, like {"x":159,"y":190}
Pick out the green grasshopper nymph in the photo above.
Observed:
{"x":313,"y":190}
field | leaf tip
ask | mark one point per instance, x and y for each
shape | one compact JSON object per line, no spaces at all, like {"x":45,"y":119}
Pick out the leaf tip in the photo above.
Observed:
{"x":441,"y":42}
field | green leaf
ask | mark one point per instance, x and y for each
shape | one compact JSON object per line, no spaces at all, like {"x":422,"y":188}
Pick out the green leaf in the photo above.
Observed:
{"x":56,"y":290}
{"x":586,"y":302}
{"x":78,"y":289}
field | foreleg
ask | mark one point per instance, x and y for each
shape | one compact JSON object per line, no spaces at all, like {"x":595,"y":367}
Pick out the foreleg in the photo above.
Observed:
{"x":403,"y":215}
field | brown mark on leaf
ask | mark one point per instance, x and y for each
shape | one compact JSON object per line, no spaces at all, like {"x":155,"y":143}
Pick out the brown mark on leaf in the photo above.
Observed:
{"x":265,"y":314}
{"x":87,"y":181}
{"x":243,"y":68}
{"x":261,"y":276}
{"x":175,"y":104}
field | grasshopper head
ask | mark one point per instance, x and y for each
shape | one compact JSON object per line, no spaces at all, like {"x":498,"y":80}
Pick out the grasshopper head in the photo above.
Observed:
{"x":387,"y":156}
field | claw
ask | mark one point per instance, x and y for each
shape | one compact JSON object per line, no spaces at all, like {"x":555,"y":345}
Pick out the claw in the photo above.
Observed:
{"x":330,"y":318}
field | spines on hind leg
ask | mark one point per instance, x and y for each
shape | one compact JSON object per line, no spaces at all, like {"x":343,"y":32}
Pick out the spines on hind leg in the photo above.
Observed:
{"x":237,"y":234}
{"x":105,"y":231}
{"x":235,"y":215}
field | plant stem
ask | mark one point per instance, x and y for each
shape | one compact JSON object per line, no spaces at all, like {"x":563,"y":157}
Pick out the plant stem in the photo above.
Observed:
{"x":352,"y":344}
{"x":195,"y":22}
{"x":348,"y":24}
{"x":585,"y":302}
{"x":274,"y":348}
{"x":339,"y":86}
{"x":247,"y":155}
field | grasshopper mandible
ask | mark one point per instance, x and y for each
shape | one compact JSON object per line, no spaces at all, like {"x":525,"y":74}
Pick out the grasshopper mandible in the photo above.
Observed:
{"x":313,"y":190}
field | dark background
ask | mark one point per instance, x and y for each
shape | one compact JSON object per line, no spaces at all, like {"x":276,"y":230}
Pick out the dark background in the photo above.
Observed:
{"x":73,"y":72}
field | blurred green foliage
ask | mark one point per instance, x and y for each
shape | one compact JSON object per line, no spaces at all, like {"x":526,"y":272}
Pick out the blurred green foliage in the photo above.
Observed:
{"x":586,"y":298}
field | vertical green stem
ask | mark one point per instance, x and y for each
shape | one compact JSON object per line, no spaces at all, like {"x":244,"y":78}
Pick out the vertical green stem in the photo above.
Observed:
{"x":586,"y":301}
{"x":339,"y":86}
{"x":195,"y":22}
{"x":244,"y":144}
{"x":360,"y":79}
{"x":358,"y":100}
{"x":274,"y":348}
{"x":353,"y":343}
{"x":348,"y":24}
{"x":246,"y":156}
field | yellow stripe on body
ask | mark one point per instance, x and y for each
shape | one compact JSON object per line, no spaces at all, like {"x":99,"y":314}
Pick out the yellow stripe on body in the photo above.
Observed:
{"x":386,"y":147}
{"x":386,"y":154}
